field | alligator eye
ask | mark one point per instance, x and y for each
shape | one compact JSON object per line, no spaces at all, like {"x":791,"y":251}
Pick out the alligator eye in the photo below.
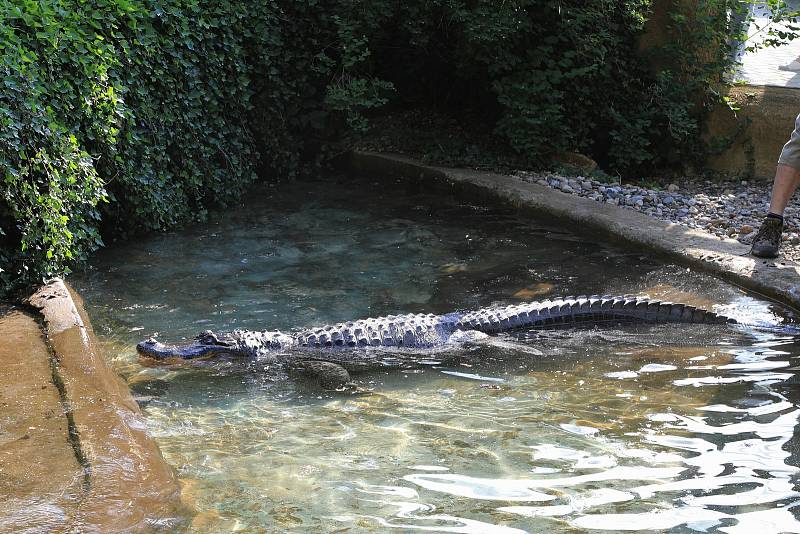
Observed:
{"x":151,"y":341}
{"x":207,"y":337}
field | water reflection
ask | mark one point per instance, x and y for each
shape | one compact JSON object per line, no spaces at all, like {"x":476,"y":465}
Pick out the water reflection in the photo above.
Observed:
{"x":643,"y":428}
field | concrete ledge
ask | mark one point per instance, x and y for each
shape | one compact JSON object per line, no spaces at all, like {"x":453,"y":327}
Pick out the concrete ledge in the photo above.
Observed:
{"x":724,"y":258}
{"x":127,"y":483}
{"x":40,"y":477}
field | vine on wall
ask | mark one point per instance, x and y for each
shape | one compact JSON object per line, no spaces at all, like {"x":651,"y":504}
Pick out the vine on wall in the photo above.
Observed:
{"x":131,"y":115}
{"x":146,"y":112}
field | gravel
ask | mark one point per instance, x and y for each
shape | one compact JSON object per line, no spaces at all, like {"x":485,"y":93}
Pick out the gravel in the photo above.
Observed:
{"x":732,"y":209}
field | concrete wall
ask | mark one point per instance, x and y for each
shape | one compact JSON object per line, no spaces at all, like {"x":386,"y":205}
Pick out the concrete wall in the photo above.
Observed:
{"x":74,"y":449}
{"x":753,"y":135}
{"x":758,"y":130}
{"x":40,"y":476}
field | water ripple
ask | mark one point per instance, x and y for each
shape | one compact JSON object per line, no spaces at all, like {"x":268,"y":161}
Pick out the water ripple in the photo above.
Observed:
{"x":568,"y":431}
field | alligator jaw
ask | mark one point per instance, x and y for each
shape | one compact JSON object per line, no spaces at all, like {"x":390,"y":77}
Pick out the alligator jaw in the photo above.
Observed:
{"x":153,"y":349}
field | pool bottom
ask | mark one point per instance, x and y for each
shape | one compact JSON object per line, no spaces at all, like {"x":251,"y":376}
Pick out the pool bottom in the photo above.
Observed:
{"x":683,"y":428}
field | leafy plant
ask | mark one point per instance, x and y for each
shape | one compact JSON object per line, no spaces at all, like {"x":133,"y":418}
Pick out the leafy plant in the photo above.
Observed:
{"x":568,"y":75}
{"x":121,"y":116}
{"x":146,"y":112}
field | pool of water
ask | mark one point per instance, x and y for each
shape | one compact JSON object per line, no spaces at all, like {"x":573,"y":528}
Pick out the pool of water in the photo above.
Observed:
{"x":656,"y":428}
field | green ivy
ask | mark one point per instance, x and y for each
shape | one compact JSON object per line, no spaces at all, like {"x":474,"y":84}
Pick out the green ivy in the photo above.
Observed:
{"x":121,"y":116}
{"x":568,"y":75}
{"x":143,"y":113}
{"x":546,"y":75}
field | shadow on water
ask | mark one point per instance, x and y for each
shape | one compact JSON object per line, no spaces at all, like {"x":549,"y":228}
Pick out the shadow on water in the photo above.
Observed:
{"x":646,"y":428}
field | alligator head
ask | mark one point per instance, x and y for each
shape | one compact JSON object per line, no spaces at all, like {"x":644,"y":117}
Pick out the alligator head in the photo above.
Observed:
{"x":206,"y":344}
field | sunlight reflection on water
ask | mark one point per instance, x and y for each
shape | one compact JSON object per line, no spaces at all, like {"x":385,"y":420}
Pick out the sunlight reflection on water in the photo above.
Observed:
{"x":642,"y":428}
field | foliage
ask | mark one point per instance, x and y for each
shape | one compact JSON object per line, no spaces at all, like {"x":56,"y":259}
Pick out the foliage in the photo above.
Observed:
{"x":134,"y":115}
{"x":547,"y":75}
{"x":572,"y":75}
{"x":145,"y":112}
{"x":707,"y":40}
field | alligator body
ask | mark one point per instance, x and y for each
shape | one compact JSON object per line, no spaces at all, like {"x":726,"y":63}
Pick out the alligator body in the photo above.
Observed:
{"x":331,"y":352}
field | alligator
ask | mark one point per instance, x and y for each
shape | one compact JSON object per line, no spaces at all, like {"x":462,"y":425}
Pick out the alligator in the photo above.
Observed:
{"x":331,"y":352}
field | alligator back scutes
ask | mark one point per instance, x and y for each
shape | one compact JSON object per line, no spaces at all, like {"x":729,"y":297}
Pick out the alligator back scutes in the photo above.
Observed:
{"x":410,"y":330}
{"x":574,"y":309}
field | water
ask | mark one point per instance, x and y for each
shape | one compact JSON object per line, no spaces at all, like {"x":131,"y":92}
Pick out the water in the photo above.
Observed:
{"x":658,"y":428}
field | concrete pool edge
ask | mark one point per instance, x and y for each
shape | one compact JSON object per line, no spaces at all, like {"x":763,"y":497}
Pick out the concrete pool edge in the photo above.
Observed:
{"x":724,"y":258}
{"x":127,"y":484}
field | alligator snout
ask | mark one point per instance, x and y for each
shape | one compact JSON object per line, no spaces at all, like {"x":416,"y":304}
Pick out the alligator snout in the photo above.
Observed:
{"x":152,"y":348}
{"x":196,"y":349}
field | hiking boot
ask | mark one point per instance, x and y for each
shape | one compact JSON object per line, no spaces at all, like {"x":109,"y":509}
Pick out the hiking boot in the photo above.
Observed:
{"x":768,"y":238}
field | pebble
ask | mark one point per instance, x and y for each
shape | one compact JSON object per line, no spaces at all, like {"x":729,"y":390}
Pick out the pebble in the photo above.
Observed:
{"x":726,"y":208}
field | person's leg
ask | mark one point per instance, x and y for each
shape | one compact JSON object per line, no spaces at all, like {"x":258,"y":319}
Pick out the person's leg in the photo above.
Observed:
{"x":787,"y":178}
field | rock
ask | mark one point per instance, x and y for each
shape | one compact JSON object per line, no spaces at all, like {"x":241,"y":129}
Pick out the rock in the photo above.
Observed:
{"x":731,"y":208}
{"x":585,"y":164}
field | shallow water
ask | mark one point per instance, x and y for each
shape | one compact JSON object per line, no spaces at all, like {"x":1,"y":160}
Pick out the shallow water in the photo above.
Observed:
{"x":658,"y":428}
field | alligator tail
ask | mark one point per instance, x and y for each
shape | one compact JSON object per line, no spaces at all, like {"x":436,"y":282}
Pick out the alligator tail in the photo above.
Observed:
{"x":568,"y":310}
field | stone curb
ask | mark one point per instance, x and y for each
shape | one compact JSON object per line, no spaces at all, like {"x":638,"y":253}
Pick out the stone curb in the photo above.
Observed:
{"x":40,"y":476}
{"x":128,"y":484}
{"x":725,"y":258}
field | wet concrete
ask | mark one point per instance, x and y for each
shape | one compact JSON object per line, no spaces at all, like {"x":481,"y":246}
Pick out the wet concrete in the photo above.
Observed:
{"x":726,"y":258}
{"x":130,"y":486}
{"x":74,"y":452}
{"x":41,"y":480}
